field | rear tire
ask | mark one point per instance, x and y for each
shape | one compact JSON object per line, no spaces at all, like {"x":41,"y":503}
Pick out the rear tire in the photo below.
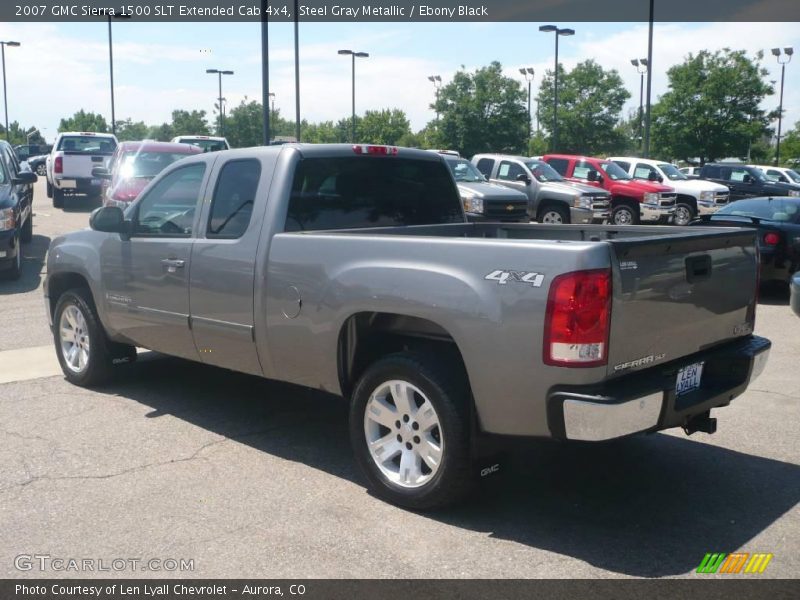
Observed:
{"x":41,"y":170}
{"x":49,"y":190}
{"x":624,"y":214}
{"x":58,"y":198}
{"x":81,"y":344}
{"x":553,"y":214}
{"x":413,"y":448}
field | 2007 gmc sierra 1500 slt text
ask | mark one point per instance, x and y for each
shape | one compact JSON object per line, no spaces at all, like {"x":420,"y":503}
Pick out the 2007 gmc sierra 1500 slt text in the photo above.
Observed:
{"x":352,"y":269}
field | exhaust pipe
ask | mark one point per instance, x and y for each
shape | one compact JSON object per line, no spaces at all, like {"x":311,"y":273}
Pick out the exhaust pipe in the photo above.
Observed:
{"x":702,"y":422}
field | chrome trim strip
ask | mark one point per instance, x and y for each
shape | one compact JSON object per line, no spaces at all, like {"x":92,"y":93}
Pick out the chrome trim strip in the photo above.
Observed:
{"x":595,"y":421}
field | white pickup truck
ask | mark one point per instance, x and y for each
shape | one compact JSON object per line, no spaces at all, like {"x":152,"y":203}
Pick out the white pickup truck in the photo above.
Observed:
{"x":69,"y":166}
{"x":695,"y":196}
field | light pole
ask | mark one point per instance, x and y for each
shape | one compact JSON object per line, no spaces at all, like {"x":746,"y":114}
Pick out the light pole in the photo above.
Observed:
{"x":354,"y":55}
{"x":111,"y":70}
{"x":265,"y":133}
{"x":646,"y":151}
{"x":5,"y":95}
{"x":641,"y":68}
{"x":528,"y":73}
{"x":776,"y":52}
{"x":220,"y":74}
{"x":30,"y":133}
{"x":558,"y":32}
{"x":436,"y":80}
{"x":296,"y":70}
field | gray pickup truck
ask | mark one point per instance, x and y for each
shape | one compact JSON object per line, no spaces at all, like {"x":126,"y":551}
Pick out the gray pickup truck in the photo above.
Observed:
{"x":351,"y":269}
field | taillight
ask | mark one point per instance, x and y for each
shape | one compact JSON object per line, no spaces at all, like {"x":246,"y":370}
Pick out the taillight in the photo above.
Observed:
{"x":771,"y":238}
{"x":376,"y":150}
{"x":58,"y":166}
{"x":577,"y":319}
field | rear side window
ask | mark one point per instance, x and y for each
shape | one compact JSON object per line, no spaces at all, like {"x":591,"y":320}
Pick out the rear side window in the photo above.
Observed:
{"x":711,"y":172}
{"x":232,"y":205}
{"x":624,"y":165}
{"x":87,"y":144}
{"x":485,"y":166}
{"x":342,"y":193}
{"x":560,"y":165}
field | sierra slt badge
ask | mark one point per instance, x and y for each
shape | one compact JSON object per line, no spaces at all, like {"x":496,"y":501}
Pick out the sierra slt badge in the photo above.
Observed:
{"x":645,"y":360}
{"x":504,"y":277}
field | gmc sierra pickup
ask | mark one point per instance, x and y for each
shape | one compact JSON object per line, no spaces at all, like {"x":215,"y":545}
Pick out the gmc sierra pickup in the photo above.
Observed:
{"x":352,"y":269}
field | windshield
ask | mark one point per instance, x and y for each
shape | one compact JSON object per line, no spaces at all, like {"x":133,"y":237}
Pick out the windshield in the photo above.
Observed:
{"x":465,"y":171}
{"x":614,"y":171}
{"x":206,"y":145}
{"x":543,"y":172}
{"x":784,"y":209}
{"x":672,"y":173}
{"x":147,"y":164}
{"x":87,"y":144}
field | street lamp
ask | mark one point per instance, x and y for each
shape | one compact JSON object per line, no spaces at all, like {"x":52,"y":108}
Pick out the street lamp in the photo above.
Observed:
{"x":528,"y":73}
{"x":30,"y":133}
{"x":776,"y":52}
{"x":641,"y":68}
{"x":436,"y":80}
{"x":354,"y":55}
{"x":558,"y":32}
{"x":220,"y":74}
{"x":5,"y":95}
{"x":111,"y":69}
{"x":272,"y":98}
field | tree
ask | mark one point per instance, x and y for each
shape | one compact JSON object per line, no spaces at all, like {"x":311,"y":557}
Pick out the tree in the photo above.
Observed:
{"x":590,"y":101}
{"x":321,"y":133}
{"x":790,"y":145}
{"x":17,"y":134}
{"x":128,"y":130}
{"x":83,"y":121}
{"x":482,"y":111}
{"x":386,"y":126}
{"x":712,"y":109}
{"x":186,"y":122}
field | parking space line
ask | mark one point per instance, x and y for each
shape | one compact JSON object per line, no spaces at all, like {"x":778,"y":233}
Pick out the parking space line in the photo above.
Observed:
{"x":28,"y":363}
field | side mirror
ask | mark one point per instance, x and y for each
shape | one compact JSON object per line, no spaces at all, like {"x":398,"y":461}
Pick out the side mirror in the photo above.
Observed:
{"x":592,"y":175}
{"x":101,"y":173}
{"x":24,"y":177}
{"x":523,"y":178}
{"x":108,"y":219}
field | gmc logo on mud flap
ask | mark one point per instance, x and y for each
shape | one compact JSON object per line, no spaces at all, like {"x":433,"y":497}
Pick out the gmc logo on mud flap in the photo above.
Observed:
{"x":504,"y":277}
{"x":490,"y":470}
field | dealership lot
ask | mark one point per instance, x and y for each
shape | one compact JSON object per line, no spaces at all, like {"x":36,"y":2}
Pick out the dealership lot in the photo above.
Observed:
{"x":251,"y":478}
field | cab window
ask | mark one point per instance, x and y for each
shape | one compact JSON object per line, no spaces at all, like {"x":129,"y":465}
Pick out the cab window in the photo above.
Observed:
{"x":582,"y":169}
{"x":509,"y":171}
{"x":560,"y":165}
{"x":232,"y":205}
{"x":485,"y":166}
{"x":643,"y":171}
{"x":168,"y":209}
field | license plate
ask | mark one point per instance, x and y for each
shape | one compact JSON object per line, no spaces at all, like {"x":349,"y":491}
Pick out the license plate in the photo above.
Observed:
{"x":688,"y":378}
{"x":97,"y":182}
{"x":67,"y":183}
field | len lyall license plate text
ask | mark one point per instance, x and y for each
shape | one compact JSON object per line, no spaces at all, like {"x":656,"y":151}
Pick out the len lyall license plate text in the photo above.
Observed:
{"x":688,"y":378}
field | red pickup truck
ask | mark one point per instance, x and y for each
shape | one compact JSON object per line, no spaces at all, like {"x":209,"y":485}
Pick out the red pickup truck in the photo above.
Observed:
{"x":632,"y":201}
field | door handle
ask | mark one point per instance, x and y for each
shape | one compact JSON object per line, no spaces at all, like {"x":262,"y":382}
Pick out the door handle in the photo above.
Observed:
{"x":173,"y":264}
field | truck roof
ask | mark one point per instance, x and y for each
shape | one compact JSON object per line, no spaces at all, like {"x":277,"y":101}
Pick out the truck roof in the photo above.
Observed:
{"x":153,"y":146}
{"x":338,"y":150}
{"x":85,"y":133}
{"x":506,"y":156}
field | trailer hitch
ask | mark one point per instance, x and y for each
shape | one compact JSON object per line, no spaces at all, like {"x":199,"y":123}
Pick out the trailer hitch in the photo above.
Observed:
{"x":702,"y":422}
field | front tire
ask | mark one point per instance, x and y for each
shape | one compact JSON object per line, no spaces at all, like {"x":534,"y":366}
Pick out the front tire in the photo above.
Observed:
{"x":409,"y":428}
{"x":624,"y":214}
{"x":553,"y":214}
{"x":81,"y":344}
{"x":683,"y":214}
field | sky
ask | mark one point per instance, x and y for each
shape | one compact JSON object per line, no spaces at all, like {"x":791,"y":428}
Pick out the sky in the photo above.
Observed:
{"x":61,"y":68}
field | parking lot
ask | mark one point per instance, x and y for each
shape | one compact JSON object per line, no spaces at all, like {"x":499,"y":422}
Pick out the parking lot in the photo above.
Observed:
{"x":250,"y":478}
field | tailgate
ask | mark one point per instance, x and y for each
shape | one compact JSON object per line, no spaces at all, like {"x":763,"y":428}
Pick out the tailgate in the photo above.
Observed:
{"x":678,"y":294}
{"x":80,"y":164}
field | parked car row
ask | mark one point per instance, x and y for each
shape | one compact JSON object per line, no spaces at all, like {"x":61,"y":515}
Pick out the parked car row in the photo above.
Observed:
{"x":16,"y":210}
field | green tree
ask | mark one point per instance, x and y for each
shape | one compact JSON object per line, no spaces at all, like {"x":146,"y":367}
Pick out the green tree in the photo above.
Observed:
{"x":129,"y":130}
{"x":790,"y":145}
{"x":17,"y":134}
{"x":590,"y":101}
{"x":538,"y":144}
{"x":83,"y":121}
{"x":185,"y":122}
{"x":482,"y":111}
{"x":161,"y":133}
{"x":321,"y":133}
{"x":712,"y":109}
{"x":383,"y":126}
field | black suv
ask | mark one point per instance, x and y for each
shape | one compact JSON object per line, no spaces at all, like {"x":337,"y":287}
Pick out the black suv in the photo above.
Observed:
{"x":16,"y":210}
{"x":746,"y":182}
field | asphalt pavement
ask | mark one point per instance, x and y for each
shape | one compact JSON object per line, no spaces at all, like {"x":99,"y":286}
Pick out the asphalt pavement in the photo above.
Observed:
{"x":243,"y":477}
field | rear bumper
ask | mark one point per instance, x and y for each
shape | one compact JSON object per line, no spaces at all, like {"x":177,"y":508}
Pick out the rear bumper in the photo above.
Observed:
{"x":80,"y":185}
{"x":646,"y":400}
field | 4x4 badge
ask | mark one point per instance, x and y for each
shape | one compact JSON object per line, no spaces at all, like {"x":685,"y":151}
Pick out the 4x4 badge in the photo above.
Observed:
{"x":504,"y":277}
